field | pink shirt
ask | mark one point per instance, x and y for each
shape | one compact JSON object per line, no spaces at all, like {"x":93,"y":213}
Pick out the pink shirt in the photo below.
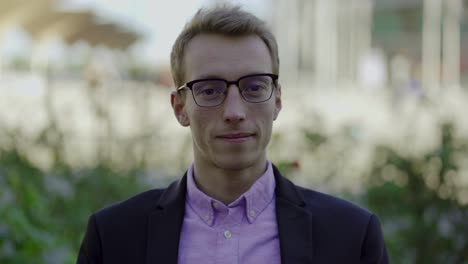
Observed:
{"x":244,"y":232}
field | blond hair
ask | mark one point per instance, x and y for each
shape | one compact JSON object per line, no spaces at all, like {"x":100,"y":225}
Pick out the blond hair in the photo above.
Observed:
{"x":223,"y":20}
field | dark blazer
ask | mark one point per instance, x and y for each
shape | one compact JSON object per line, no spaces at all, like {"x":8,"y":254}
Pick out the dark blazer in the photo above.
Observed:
{"x":313,"y":228}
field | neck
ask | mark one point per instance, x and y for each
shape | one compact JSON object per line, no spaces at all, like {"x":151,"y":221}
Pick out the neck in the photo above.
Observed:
{"x":226,"y":185}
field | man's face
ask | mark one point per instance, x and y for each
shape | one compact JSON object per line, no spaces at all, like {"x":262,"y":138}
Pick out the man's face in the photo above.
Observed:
{"x":235,"y":134}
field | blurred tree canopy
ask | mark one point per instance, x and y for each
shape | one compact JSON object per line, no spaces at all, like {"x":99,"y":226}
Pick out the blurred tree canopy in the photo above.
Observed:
{"x":417,"y":199}
{"x":421,"y":199}
{"x":43,"y":214}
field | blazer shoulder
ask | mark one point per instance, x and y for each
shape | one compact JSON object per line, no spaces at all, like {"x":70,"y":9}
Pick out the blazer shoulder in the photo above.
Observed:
{"x":352,"y":229}
{"x":320,"y":204}
{"x":141,"y":203}
{"x":333,"y":206}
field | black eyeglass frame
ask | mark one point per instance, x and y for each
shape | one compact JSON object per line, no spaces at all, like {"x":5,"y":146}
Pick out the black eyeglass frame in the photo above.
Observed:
{"x":190,"y":84}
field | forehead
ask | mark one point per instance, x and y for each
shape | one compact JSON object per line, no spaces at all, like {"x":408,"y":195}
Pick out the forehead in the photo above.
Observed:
{"x":211,"y":55}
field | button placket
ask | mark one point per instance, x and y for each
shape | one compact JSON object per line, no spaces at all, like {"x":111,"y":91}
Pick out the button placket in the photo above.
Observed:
{"x":252,"y":213}
{"x":227,"y":245}
{"x":227,"y":234}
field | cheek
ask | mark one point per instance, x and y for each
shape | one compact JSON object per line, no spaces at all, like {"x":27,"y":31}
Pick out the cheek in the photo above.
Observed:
{"x":201,"y":123}
{"x":265,"y":114}
{"x":264,"y":119}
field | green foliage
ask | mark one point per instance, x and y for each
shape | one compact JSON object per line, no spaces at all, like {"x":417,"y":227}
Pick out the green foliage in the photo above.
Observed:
{"x":44,"y":214}
{"x":417,"y":199}
{"x":315,"y":139}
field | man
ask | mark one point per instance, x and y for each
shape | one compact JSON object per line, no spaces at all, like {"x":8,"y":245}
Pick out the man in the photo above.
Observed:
{"x":232,"y":205}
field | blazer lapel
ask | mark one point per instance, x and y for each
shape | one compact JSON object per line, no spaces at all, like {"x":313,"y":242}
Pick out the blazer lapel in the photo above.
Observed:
{"x":294,"y":223}
{"x":165,"y":223}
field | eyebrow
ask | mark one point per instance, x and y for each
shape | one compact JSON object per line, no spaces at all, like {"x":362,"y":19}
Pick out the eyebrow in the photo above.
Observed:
{"x":215,"y":76}
{"x":208,"y":76}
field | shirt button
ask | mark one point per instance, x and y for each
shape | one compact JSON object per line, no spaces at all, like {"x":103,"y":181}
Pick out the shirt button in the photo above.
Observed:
{"x":206,"y":217}
{"x":252,"y":213}
{"x":227,"y":234}
{"x":215,"y":205}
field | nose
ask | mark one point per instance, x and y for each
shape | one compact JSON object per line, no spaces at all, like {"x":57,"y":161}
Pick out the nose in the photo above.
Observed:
{"x":234,"y":106}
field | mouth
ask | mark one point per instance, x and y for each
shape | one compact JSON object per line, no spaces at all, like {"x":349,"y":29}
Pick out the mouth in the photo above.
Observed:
{"x":236,"y":137}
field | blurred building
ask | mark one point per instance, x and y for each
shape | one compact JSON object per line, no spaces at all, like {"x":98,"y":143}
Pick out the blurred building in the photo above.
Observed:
{"x":374,"y":43}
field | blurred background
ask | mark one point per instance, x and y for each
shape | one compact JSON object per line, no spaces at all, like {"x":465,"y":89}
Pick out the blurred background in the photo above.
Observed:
{"x":374,"y":111}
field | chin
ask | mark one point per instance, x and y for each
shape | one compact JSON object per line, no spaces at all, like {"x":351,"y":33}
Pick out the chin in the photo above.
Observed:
{"x":235,"y":162}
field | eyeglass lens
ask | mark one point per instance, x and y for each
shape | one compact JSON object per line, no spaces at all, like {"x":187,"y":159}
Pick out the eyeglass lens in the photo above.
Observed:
{"x":253,"y":89}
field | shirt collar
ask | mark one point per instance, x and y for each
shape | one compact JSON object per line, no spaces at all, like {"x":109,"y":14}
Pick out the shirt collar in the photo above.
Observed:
{"x":254,"y":200}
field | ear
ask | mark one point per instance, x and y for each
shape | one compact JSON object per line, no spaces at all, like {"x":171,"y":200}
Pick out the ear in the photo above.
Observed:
{"x":278,"y":103}
{"x":178,"y":105}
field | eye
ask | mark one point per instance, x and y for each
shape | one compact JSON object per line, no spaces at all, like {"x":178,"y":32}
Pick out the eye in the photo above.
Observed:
{"x":255,"y":87}
{"x":208,"y":88}
{"x":256,"y":84}
{"x":207,"y":91}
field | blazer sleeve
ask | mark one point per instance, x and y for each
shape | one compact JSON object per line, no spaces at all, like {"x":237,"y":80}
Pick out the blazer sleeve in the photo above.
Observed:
{"x":90,"y":250}
{"x":373,"y":248}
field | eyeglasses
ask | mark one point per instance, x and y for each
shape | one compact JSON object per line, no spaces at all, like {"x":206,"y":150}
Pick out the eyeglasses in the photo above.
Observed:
{"x":254,"y":88}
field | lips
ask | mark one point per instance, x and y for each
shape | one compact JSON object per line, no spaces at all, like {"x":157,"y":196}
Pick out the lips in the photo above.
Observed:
{"x":236,"y":137}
